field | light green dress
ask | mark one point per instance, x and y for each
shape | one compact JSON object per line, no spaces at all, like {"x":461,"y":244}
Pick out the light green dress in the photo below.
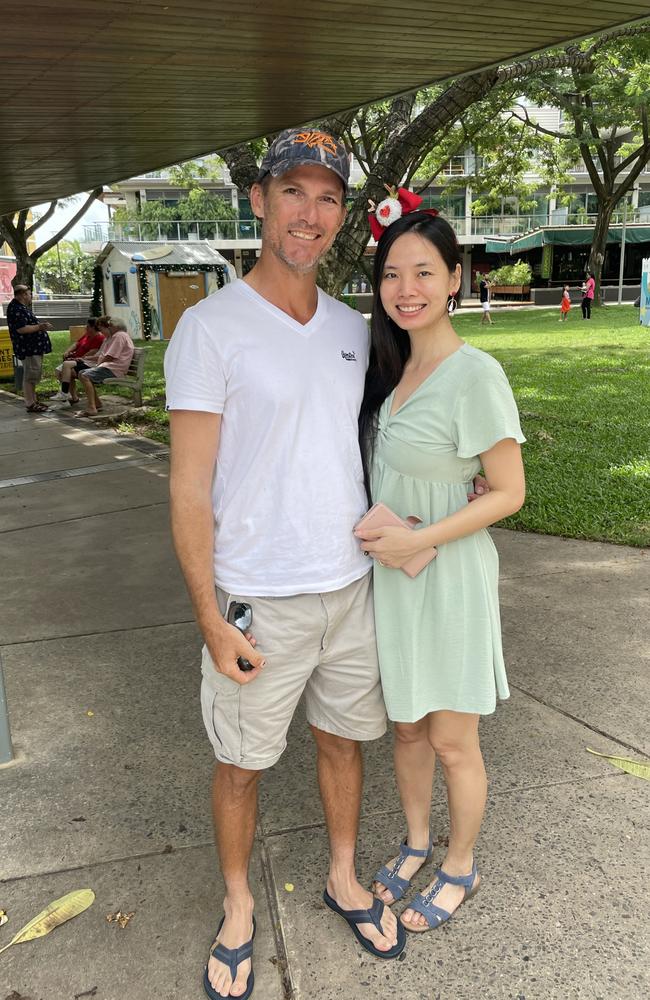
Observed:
{"x":439,"y":635}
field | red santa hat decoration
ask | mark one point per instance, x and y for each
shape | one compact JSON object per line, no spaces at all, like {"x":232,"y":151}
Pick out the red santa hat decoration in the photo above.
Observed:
{"x":399,"y":202}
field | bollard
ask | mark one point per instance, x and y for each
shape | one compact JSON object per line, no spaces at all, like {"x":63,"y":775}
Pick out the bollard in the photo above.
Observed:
{"x":6,"y":752}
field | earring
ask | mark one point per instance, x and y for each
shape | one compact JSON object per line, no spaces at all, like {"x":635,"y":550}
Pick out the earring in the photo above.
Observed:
{"x":452,"y":305}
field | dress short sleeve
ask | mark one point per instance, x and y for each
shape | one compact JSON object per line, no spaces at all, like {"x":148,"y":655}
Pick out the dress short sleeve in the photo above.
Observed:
{"x":485,"y":414}
{"x":194,"y":370}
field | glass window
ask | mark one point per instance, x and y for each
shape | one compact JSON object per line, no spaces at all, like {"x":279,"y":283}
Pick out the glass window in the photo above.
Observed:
{"x":450,"y":205}
{"x":120,"y":292}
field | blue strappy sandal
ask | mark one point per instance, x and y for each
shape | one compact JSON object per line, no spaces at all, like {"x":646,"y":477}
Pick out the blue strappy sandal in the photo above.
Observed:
{"x":435,"y":915}
{"x":232,"y":957}
{"x":390,"y":877}
{"x":371,"y":916}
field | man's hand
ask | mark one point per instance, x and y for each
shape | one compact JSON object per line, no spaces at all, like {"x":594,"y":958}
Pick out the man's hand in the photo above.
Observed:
{"x":230,"y":644}
{"x":480,"y":488}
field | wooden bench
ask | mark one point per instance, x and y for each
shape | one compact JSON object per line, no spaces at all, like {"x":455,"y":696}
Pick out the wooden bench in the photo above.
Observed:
{"x":134,"y":378}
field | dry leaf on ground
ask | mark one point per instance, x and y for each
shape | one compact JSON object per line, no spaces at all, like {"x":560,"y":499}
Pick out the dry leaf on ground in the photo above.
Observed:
{"x":53,"y":915}
{"x":119,"y":918}
{"x":636,"y":767}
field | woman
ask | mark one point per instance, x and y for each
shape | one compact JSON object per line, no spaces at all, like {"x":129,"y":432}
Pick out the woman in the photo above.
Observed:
{"x":77,"y":358}
{"x":589,"y":289}
{"x":435,"y":410}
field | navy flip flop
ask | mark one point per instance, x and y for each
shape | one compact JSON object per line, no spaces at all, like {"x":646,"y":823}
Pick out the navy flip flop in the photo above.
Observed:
{"x":370,"y":916}
{"x":231,"y":957}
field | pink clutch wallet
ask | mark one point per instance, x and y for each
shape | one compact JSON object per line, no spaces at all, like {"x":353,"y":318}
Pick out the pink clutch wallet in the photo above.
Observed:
{"x":381,"y":516}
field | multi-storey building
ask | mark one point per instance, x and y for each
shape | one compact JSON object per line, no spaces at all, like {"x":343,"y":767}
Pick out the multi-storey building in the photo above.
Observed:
{"x":555,"y":236}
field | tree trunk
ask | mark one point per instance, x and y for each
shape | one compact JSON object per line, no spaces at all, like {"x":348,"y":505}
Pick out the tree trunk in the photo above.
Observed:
{"x":406,"y":143}
{"x":25,"y":267}
{"x":599,"y":244}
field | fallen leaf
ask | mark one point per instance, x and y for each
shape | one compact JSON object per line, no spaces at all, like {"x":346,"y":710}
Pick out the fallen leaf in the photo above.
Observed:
{"x":636,"y":767}
{"x":90,"y":713}
{"x":288,"y":886}
{"x":120,"y":918}
{"x":3,"y":917}
{"x":56,"y":913}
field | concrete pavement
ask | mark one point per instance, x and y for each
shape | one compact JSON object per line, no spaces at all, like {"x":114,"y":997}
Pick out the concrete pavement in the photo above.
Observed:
{"x":109,"y":788}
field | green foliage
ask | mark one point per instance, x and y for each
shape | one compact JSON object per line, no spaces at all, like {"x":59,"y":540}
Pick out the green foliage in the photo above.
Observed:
{"x":200,"y":205}
{"x":65,"y":269}
{"x":156,"y":218}
{"x":510,"y":274}
{"x":189,"y":173}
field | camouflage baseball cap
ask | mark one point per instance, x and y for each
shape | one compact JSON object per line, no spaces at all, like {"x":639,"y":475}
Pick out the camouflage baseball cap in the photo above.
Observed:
{"x":298,"y":147}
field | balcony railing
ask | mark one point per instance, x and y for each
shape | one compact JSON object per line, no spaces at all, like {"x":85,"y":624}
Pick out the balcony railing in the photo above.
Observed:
{"x":516,"y":225}
{"x":178,"y":231}
{"x":242,"y":230}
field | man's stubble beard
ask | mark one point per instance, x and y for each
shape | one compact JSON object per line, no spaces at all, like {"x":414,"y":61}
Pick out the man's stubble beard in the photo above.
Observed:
{"x":298,"y":268}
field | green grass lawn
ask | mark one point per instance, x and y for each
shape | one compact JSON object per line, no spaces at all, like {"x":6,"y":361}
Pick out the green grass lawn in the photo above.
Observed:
{"x":583,"y":390}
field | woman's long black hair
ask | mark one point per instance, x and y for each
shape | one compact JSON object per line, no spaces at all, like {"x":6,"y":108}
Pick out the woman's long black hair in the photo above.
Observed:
{"x":390,"y":346}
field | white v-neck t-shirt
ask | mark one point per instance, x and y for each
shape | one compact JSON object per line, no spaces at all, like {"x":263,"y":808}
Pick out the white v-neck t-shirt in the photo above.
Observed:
{"x":288,"y":486}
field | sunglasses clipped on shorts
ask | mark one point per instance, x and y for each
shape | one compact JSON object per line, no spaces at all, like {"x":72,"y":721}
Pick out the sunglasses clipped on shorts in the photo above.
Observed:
{"x":241,"y":616}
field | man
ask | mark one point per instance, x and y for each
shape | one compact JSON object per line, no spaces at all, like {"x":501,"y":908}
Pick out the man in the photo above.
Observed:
{"x":113,"y":360}
{"x":484,"y":295}
{"x":264,"y":381}
{"x":30,"y":342}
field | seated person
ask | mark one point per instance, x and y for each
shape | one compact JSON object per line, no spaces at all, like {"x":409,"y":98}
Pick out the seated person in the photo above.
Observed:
{"x":82,"y":354}
{"x":112,"y":361}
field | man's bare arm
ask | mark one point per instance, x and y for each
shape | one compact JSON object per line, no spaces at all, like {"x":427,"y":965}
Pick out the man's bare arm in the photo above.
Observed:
{"x":194,"y":447}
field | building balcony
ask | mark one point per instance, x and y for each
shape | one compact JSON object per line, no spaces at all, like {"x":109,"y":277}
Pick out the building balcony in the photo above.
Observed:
{"x":176,"y":231}
{"x":244,"y":230}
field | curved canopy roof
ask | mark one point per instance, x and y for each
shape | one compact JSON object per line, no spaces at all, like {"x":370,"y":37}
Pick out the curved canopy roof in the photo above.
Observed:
{"x":95,"y":91}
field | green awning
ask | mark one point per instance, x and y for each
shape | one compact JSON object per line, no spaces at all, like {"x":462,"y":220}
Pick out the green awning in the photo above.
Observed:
{"x":567,"y":236}
{"x":497,"y":246}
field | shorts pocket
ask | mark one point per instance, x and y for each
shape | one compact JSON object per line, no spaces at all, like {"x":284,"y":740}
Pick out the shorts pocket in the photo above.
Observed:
{"x":220,"y":698}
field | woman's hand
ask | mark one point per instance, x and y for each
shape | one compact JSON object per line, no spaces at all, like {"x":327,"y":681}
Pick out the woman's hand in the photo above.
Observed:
{"x":390,"y":546}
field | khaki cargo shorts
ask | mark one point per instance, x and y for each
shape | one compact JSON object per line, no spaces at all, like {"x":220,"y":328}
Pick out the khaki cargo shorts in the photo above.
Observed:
{"x":322,"y":644}
{"x":33,"y":369}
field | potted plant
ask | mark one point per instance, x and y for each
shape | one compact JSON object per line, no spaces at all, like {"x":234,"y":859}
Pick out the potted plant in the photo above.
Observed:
{"x":511,"y":279}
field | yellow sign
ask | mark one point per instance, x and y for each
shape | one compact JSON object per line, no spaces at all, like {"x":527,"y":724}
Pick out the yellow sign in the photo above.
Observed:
{"x":6,"y":355}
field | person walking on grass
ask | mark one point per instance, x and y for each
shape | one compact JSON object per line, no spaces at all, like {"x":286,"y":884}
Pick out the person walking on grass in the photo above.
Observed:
{"x":30,"y":341}
{"x":485,"y":296}
{"x":565,"y":304}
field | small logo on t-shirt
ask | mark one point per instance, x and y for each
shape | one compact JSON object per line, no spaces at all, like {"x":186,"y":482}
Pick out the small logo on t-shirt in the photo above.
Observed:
{"x":348,"y":355}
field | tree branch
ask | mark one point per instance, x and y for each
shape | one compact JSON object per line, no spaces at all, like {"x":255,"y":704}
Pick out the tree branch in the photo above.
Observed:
{"x":39,"y":222}
{"x":638,"y":29}
{"x":53,"y":240}
{"x":535,"y":126}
